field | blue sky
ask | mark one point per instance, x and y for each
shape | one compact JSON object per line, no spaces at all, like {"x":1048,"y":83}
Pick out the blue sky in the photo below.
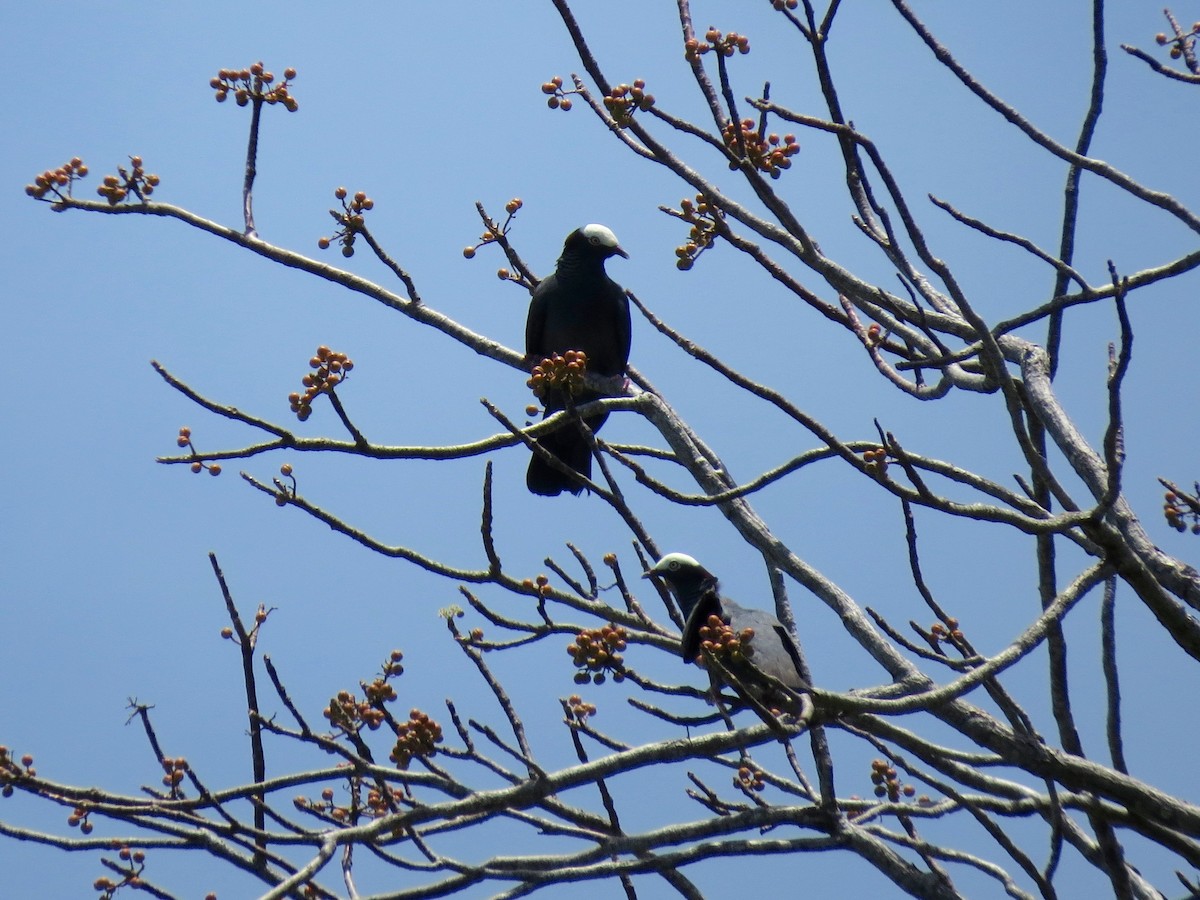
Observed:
{"x":105,"y":584}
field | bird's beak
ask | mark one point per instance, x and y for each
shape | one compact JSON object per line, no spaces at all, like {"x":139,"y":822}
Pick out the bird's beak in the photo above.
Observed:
{"x":617,"y":251}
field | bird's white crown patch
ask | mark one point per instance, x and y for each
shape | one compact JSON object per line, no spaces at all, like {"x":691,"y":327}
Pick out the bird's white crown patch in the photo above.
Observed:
{"x":599,"y":234}
{"x":673,"y":561}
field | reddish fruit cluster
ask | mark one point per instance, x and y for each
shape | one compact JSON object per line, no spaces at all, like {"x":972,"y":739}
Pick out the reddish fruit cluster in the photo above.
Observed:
{"x":377,"y":805}
{"x":325,"y":805}
{"x":876,"y":461}
{"x":379,"y":692}
{"x":174,"y":769}
{"x":579,"y":709}
{"x":596,"y":651}
{"x":557,"y":98}
{"x":64,"y":176}
{"x":489,"y":237}
{"x":541,"y":586}
{"x":785,"y":4}
{"x":9,"y":770}
{"x":874,"y":335}
{"x":560,"y":372}
{"x":108,"y":888}
{"x":393,"y":667}
{"x":748,"y":778}
{"x":624,"y":99}
{"x":185,"y":440}
{"x":771,"y":154}
{"x":416,"y":737}
{"x":350,"y":217}
{"x":254,"y":84}
{"x":721,"y":641}
{"x":1178,"y":510}
{"x":887,"y":782}
{"x":115,"y":188}
{"x":1181,"y":43}
{"x":349,"y":714}
{"x":135,"y":864}
{"x":79,"y":819}
{"x":329,"y":369}
{"x":286,"y":491}
{"x":947,"y":632}
{"x":703,"y":232}
{"x":724,"y":44}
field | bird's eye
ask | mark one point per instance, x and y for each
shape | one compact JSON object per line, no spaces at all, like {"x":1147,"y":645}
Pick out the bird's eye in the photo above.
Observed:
{"x":594,"y":240}
{"x":673,"y":565}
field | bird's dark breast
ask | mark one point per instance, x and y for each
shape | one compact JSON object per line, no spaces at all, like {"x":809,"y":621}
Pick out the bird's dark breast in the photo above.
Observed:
{"x":589,"y":322}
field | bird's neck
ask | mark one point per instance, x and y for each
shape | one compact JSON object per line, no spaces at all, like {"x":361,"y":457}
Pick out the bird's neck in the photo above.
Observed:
{"x":690,"y":593}
{"x":571,"y":267}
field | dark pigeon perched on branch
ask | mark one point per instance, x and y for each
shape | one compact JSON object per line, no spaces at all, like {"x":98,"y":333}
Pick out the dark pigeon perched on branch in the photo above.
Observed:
{"x":767,"y":648}
{"x":577,"y":308}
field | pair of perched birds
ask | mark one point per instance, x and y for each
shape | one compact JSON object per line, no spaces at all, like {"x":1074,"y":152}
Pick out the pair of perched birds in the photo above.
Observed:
{"x":579,"y":307}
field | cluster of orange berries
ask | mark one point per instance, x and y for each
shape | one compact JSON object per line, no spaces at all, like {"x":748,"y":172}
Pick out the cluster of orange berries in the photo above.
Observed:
{"x":541,"y":584}
{"x":286,"y":491}
{"x":376,"y":805}
{"x":62,"y":177}
{"x":948,"y":632}
{"x":727,"y":645}
{"x":329,"y":369}
{"x":557,"y":98}
{"x":625,"y":99}
{"x":135,"y":864}
{"x":10,"y":770}
{"x":393,"y":667}
{"x":1177,"y":515}
{"x":350,"y":217}
{"x":326,"y":805}
{"x":185,"y":440}
{"x":254,"y":84}
{"x":1179,"y":42}
{"x":579,"y":709}
{"x":490,"y":236}
{"x":79,"y":819}
{"x":887,"y":782}
{"x":771,"y":154}
{"x":115,"y":188}
{"x":703,"y":232}
{"x":874,"y":335}
{"x":260,"y":616}
{"x":174,"y":770}
{"x":560,"y":372}
{"x":596,"y":651}
{"x":876,"y":461}
{"x":349,"y":714}
{"x":748,"y":778}
{"x":724,"y":44}
{"x":416,"y":737}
